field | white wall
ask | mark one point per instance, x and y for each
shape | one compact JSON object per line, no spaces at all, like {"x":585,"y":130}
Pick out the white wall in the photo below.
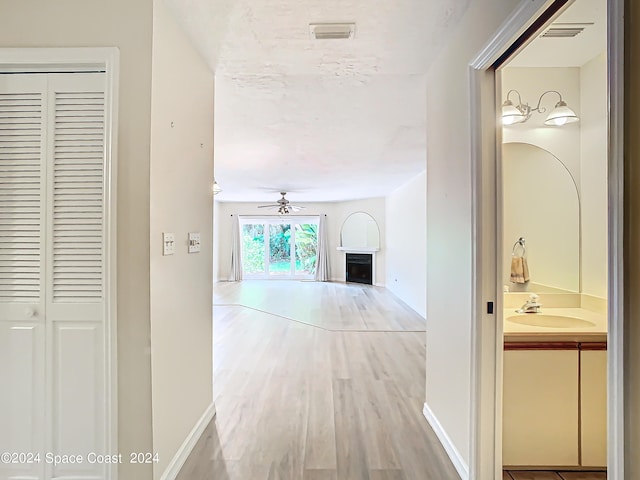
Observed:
{"x":181,"y":202}
{"x":563,"y":142}
{"x":126,"y":25}
{"x":449,"y":226}
{"x":582,"y":147}
{"x":406,"y":245}
{"x":593,"y":175}
{"x":216,"y":243}
{"x":552,"y":262}
{"x":336,"y":212}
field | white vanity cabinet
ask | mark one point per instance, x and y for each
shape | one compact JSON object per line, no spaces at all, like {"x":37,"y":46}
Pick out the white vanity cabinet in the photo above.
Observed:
{"x":555,"y":405}
{"x":540,"y":407}
{"x":593,"y":402}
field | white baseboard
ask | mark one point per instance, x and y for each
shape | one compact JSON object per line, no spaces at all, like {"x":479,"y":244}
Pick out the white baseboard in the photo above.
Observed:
{"x":178,"y":460}
{"x":458,"y":462}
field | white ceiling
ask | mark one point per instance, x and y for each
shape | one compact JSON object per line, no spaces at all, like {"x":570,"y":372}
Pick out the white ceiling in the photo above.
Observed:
{"x":324,"y":120}
{"x":335,"y":119}
{"x":569,"y":52}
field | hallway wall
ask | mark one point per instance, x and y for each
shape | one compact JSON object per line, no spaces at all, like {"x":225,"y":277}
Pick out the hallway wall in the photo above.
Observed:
{"x":406,"y":248}
{"x":181,"y":200}
{"x":449,"y":222}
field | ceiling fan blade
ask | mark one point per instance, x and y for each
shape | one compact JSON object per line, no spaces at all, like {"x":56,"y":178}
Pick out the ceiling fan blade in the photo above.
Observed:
{"x":295,"y":208}
{"x":268,"y":206}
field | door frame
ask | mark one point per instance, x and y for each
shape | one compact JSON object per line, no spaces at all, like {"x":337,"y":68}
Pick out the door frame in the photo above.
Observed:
{"x":486,"y":372}
{"x":105,"y":59}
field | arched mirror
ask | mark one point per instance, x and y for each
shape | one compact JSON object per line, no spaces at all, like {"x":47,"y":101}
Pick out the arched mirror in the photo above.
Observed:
{"x":360,"y":230}
{"x":541,"y":204}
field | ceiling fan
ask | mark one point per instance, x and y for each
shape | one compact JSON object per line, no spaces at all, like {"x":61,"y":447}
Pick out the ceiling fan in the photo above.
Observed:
{"x":283,"y":206}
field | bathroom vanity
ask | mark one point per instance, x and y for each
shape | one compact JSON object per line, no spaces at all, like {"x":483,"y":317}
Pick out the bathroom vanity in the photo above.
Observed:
{"x":555,"y":388}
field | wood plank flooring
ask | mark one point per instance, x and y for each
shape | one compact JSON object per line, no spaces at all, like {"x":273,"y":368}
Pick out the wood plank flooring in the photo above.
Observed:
{"x":544,"y":475}
{"x":332,"y":306}
{"x":317,"y":381}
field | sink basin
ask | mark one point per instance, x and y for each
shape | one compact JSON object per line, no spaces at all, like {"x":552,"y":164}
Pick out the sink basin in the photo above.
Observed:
{"x":549,"y":321}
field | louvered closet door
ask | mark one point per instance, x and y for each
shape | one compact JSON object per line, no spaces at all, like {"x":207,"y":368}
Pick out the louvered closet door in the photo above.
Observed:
{"x":52,"y":325}
{"x":22,"y":297}
{"x":75,"y":269}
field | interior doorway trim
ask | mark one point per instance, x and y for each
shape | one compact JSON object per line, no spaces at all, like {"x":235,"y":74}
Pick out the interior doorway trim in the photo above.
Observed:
{"x":486,"y":372}
{"x":107,"y":60}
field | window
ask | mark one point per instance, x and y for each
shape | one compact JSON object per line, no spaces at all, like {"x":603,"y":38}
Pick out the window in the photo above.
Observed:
{"x":279,"y":247}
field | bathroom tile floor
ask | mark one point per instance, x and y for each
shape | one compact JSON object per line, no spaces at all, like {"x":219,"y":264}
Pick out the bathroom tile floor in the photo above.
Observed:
{"x":541,"y":475}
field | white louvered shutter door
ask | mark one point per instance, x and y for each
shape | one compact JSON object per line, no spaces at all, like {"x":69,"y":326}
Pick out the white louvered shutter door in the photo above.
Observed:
{"x":75,"y":268}
{"x":52,"y":232}
{"x":22,"y":234}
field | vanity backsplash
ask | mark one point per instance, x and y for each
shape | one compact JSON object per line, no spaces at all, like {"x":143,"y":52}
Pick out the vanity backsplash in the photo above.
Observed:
{"x":557,"y":300}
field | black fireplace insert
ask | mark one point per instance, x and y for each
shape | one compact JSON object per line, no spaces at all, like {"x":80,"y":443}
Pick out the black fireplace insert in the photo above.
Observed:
{"x":360,"y":268}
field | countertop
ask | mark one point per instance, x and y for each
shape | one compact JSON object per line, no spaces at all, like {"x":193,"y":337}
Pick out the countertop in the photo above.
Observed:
{"x":515,"y":332}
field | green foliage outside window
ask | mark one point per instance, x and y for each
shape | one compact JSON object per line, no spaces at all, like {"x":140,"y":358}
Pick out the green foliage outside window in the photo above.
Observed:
{"x":307,"y":246}
{"x":253,"y":248}
{"x":279,"y":247}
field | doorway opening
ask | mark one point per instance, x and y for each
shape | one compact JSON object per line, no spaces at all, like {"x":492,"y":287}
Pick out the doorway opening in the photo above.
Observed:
{"x":553,"y":178}
{"x":494,"y":253}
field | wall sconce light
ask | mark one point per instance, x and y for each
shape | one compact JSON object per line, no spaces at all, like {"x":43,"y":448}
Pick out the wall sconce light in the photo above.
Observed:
{"x":520,"y":113}
{"x":216,"y":187}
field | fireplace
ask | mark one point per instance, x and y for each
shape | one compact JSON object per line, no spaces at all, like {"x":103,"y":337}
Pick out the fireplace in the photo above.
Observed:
{"x":360,"y":268}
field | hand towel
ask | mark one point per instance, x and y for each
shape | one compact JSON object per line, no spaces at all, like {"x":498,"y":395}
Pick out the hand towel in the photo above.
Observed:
{"x":525,"y":270}
{"x":519,"y":270}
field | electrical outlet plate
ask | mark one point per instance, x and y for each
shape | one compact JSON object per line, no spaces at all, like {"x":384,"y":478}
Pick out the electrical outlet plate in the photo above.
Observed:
{"x":168,"y":244}
{"x":194,"y":242}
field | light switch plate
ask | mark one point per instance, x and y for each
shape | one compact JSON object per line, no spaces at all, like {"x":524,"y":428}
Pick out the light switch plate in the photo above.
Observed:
{"x":194,"y":242}
{"x":168,"y":244}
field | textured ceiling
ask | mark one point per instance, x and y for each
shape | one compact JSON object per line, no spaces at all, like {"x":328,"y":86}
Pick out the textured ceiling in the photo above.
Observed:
{"x":569,"y":52}
{"x":325,"y":120}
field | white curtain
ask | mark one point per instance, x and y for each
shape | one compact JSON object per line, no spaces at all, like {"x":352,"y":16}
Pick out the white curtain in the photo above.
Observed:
{"x":323,"y":273}
{"x":236,"y":250}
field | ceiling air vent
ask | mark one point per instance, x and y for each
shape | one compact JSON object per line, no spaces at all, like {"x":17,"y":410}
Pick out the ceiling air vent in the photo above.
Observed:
{"x":565,"y":30}
{"x":330,"y":31}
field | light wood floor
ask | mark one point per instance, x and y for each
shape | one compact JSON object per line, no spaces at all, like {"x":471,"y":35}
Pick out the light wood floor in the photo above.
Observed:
{"x":521,"y":475}
{"x":333,"y":306}
{"x":317,"y":381}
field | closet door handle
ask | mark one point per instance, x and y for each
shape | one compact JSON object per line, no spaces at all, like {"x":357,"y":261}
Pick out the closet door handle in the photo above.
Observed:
{"x":30,"y":313}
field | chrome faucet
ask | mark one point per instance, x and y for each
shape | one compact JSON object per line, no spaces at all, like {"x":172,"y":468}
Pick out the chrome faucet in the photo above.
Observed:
{"x":531,"y":306}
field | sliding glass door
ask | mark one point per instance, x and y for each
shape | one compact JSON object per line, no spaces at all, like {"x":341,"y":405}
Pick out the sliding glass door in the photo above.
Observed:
{"x":306,"y":248}
{"x":253,"y":249}
{"x":279,"y":247}
{"x":280,"y":250}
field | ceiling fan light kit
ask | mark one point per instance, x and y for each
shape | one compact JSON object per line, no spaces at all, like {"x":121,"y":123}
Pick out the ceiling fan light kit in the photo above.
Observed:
{"x":283,"y":206}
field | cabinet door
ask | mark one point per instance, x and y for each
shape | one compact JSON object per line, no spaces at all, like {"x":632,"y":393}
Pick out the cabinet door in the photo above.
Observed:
{"x":593,"y":385}
{"x":540,"y":408}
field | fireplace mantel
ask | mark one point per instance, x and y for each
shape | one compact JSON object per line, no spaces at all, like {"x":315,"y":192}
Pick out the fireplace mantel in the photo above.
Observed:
{"x":368,"y":250}
{"x":358,"y":249}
